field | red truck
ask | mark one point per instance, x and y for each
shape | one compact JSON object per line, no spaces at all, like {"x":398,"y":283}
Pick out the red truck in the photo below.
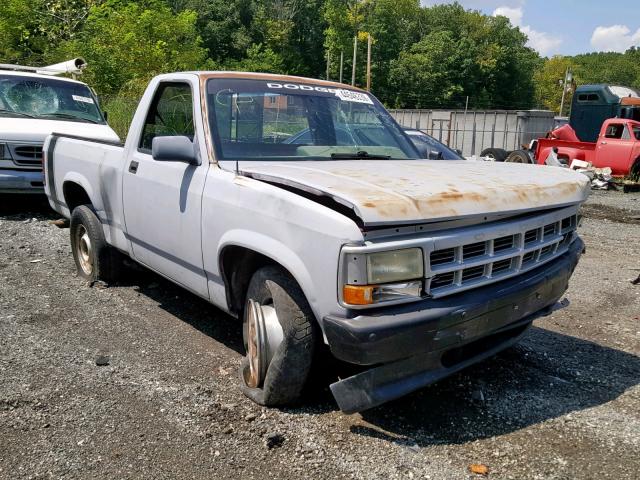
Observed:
{"x":617,"y":147}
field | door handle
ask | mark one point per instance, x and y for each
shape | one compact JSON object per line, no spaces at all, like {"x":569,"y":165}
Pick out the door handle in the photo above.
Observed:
{"x":133,"y":167}
{"x":603,"y":143}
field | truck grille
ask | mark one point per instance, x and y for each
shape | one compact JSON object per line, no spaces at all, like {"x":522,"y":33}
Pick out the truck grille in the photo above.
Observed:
{"x":501,"y":254}
{"x":26,"y":155}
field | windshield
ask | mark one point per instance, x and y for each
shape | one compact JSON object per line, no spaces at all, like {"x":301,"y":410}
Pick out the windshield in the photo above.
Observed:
{"x":47,"y":98}
{"x":262,"y":120}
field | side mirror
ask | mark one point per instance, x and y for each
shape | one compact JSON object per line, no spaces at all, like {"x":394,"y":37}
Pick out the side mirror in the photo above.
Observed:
{"x":105,"y":115}
{"x":434,"y":155}
{"x":174,"y":149}
{"x":458,"y":151}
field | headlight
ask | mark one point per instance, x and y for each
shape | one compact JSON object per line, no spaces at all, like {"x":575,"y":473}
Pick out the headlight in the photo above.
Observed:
{"x":385,"y":267}
{"x":378,"y":277}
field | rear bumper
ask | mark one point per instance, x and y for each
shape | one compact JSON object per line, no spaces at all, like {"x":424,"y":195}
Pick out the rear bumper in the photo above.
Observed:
{"x":414,"y":345}
{"x":21,"y":181}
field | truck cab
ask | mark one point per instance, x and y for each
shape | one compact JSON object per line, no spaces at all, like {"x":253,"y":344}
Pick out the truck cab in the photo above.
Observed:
{"x":593,"y":104}
{"x":32,"y":106}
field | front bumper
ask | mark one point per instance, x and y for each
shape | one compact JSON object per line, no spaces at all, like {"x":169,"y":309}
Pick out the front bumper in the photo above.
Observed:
{"x":21,"y":181}
{"x":420,"y":343}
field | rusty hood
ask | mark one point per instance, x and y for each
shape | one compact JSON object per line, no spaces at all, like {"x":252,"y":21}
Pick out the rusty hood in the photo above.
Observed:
{"x":413,"y":191}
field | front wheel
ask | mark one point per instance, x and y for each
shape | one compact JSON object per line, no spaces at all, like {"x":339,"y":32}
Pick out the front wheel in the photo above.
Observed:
{"x":280,"y":334}
{"x":95,"y":259}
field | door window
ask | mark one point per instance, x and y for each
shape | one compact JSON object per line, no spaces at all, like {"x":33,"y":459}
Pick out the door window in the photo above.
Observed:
{"x":615,"y":130}
{"x":170,"y":114}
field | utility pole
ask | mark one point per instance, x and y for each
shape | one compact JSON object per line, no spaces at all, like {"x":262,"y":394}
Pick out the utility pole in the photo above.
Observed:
{"x":341,"y":62}
{"x":368,"y":62}
{"x":353,"y":67}
{"x":566,"y":83}
{"x":328,"y":63}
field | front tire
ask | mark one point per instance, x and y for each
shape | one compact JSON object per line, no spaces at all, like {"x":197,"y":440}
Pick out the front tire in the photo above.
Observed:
{"x":280,"y":336}
{"x":95,"y":259}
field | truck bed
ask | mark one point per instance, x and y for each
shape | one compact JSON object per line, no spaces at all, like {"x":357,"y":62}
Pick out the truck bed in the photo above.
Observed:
{"x":87,"y":162}
{"x":580,"y":150}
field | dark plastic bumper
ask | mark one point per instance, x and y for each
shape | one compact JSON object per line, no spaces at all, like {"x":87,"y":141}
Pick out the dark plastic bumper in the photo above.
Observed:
{"x":420,"y":343}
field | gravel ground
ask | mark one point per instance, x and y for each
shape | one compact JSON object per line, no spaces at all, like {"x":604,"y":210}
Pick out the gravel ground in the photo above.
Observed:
{"x":562,"y":404}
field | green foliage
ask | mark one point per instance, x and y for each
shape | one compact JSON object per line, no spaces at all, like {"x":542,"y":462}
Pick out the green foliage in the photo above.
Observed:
{"x":603,"y":67}
{"x":129,"y":43}
{"x":421,"y":57}
{"x":120,"y":109}
{"x":28,"y":28}
{"x":464,"y":53}
{"x":258,"y":59}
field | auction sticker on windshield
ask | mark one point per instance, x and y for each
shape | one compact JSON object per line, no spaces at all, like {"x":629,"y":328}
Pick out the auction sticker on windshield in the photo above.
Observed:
{"x":351,"y":96}
{"x":79,"y":98}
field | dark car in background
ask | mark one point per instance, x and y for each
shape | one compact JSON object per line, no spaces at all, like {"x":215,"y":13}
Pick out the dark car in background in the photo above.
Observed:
{"x":431,"y":148}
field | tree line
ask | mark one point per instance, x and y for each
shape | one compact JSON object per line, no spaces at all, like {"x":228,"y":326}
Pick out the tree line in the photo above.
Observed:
{"x":422,"y":57}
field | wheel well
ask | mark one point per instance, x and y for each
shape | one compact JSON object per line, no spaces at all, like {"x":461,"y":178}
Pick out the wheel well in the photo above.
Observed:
{"x":237,"y":265}
{"x":634,"y":172}
{"x":74,"y":195}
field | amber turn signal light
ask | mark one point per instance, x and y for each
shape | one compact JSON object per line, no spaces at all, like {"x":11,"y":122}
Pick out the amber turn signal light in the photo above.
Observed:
{"x":358,"y":294}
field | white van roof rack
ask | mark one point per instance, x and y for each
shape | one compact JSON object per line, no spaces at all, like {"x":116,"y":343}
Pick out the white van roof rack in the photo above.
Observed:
{"x":18,"y":68}
{"x":73,"y":66}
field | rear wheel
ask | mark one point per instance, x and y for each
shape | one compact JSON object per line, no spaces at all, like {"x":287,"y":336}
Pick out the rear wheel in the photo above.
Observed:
{"x":95,"y":259}
{"x":518,"y":156}
{"x":280,"y":334}
{"x":497,"y":154}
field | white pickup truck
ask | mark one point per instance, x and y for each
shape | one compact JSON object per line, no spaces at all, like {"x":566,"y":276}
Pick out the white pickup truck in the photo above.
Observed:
{"x":302,"y":208}
{"x":32,"y":106}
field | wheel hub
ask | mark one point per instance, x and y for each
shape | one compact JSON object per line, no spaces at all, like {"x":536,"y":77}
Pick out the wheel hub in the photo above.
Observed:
{"x":263,"y":337}
{"x":84,"y":250}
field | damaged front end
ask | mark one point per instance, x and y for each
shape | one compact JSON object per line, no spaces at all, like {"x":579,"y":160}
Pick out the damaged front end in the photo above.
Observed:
{"x":412,"y":345}
{"x":480,"y":287}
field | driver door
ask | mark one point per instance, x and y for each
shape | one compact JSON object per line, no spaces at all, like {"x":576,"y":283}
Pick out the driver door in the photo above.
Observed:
{"x":162,"y":199}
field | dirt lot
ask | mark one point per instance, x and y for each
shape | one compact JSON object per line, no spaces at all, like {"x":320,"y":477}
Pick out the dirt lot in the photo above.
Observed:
{"x":563,"y":404}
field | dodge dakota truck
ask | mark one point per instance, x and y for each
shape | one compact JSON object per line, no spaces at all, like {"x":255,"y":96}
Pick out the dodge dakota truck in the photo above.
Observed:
{"x":301,"y":207}
{"x":33,"y":104}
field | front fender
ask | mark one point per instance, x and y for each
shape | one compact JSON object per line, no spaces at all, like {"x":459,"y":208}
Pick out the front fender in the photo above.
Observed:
{"x":275,"y":250}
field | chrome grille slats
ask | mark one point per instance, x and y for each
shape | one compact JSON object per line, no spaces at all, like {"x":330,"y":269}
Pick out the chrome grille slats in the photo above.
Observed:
{"x":444,"y":256}
{"x":460,"y":262}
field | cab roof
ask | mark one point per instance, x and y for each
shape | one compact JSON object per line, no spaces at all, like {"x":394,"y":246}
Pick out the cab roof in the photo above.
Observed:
{"x":205,"y":75}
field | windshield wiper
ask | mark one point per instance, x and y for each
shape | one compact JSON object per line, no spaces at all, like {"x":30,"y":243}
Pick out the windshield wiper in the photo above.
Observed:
{"x":11,"y":112}
{"x":361,"y":155}
{"x":66,"y":115}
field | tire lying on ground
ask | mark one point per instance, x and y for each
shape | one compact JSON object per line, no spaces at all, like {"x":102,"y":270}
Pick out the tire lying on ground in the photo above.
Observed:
{"x":519,"y":156}
{"x":95,"y":259}
{"x":280,"y":336}
{"x":498,"y":154}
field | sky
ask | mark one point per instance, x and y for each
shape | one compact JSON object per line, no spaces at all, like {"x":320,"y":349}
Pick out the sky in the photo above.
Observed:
{"x":567,"y":27}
